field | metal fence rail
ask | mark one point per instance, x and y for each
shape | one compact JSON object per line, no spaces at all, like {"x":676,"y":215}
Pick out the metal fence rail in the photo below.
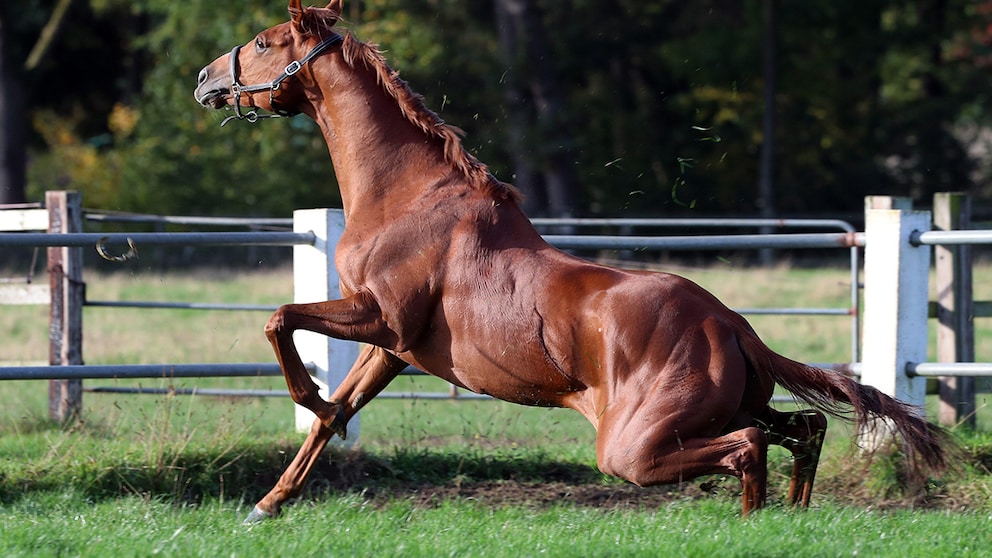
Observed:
{"x":223,"y":392}
{"x":252,"y":222}
{"x":947,"y":238}
{"x":273,"y":238}
{"x":710,"y":242}
{"x":937,"y":369}
{"x":117,"y":371}
{"x":700,"y":222}
{"x":182,"y":305}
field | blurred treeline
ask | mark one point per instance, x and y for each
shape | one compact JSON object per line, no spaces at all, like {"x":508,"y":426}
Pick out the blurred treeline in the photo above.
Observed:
{"x":592,"y":107}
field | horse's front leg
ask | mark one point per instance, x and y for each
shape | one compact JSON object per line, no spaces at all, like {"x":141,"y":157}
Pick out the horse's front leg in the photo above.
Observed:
{"x":357,"y":318}
{"x":373,"y":370}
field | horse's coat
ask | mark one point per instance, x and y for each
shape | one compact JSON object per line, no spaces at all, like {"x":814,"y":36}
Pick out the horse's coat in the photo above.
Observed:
{"x":441,"y":269}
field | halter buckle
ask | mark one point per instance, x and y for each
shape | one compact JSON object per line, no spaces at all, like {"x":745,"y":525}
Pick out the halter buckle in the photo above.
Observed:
{"x":293,"y":67}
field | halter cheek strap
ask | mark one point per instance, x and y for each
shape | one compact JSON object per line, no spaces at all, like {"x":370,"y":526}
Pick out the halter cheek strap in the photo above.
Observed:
{"x":237,"y":88}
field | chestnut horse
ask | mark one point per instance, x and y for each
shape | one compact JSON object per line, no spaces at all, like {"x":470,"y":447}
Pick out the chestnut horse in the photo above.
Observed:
{"x":440,"y":269}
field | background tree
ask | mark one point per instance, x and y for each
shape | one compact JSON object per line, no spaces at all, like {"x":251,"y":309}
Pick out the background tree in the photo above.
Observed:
{"x":19,"y":69}
{"x":613,"y":107}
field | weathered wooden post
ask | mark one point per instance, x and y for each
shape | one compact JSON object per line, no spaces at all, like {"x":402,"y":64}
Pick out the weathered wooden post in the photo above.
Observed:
{"x":315,"y":279}
{"x":955,"y":314}
{"x":895,"y":315}
{"x":65,"y":331}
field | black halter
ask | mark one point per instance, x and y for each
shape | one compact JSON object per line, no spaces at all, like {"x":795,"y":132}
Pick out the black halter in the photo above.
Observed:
{"x":237,"y":89}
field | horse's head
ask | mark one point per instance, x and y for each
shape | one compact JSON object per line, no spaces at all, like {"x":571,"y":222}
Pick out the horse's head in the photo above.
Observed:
{"x":260,"y":74}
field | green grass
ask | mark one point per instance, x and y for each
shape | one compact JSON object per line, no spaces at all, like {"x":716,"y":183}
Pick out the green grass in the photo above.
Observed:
{"x":174,"y":475}
{"x":65,"y":523}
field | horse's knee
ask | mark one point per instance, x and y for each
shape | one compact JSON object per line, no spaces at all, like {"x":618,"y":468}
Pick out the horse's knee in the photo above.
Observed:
{"x":276,"y":323}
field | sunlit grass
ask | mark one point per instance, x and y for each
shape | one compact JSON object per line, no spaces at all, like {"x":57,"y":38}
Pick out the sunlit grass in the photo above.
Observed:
{"x":63,"y":522}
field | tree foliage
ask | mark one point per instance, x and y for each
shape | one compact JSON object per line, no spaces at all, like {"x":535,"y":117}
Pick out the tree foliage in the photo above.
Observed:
{"x":661,"y":103}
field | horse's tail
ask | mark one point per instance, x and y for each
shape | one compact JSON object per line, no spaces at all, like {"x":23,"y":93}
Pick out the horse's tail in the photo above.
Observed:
{"x":841,"y":396}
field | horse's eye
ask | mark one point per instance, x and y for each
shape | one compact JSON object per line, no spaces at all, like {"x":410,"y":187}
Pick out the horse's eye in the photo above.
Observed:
{"x":259,"y":43}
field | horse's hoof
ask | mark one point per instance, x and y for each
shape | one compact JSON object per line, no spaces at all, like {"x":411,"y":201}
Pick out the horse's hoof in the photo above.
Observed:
{"x":257,"y":515}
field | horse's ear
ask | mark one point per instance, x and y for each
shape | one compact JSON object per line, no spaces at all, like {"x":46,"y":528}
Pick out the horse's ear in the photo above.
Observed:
{"x":335,"y":6}
{"x":295,"y":11}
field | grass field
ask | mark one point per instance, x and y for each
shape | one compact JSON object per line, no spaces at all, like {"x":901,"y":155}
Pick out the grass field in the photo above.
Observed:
{"x":173,"y":475}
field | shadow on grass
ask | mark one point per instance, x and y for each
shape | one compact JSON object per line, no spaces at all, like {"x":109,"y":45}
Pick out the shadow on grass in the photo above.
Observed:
{"x":101,"y":468}
{"x":427,"y":477}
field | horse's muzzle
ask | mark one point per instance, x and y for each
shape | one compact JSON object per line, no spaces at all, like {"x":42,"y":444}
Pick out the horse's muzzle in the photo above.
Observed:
{"x":212,"y":92}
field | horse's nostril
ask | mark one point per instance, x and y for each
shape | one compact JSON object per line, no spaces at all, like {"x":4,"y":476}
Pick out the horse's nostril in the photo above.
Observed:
{"x":202,"y":77}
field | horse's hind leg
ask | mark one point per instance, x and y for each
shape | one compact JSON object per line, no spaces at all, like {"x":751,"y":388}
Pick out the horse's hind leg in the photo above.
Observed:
{"x":667,"y":455}
{"x":800,"y":432}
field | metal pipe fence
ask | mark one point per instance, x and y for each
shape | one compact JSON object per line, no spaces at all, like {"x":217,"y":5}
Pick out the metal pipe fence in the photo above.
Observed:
{"x":904,"y":368}
{"x":117,"y":371}
{"x":158,"y":239}
{"x":849,"y":238}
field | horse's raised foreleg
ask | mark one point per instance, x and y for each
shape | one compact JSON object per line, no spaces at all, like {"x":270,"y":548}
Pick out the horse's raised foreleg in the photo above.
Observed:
{"x":800,"y":432}
{"x":373,"y":370}
{"x":357,"y":318}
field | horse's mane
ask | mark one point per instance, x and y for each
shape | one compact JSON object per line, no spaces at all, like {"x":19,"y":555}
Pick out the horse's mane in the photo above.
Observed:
{"x":412,"y":106}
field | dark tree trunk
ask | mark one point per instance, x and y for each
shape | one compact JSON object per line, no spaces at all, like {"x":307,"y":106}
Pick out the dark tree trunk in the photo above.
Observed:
{"x":508,"y":22}
{"x":766,"y":178}
{"x":536,"y":108}
{"x":13,"y":155}
{"x":15,"y":74}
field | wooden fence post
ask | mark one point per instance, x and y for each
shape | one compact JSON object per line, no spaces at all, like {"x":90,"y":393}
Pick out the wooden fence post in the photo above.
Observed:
{"x":65,"y":272}
{"x":955,"y":314}
{"x":316,"y":280}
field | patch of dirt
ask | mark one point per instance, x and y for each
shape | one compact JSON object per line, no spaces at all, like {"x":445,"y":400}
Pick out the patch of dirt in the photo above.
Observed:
{"x":544,"y":494}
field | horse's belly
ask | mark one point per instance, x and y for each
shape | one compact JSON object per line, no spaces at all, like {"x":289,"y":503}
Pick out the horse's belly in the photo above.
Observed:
{"x":503,"y":376}
{"x":515,"y":390}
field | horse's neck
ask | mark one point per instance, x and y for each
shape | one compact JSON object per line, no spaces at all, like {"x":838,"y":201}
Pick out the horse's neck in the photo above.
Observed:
{"x":380,"y":158}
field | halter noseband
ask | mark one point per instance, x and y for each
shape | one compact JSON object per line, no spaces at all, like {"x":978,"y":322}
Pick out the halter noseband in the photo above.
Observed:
{"x":237,"y":89}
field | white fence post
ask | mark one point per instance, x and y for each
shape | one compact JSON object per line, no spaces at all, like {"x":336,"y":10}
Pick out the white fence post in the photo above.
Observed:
{"x":315,"y":279}
{"x":895,"y":310}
